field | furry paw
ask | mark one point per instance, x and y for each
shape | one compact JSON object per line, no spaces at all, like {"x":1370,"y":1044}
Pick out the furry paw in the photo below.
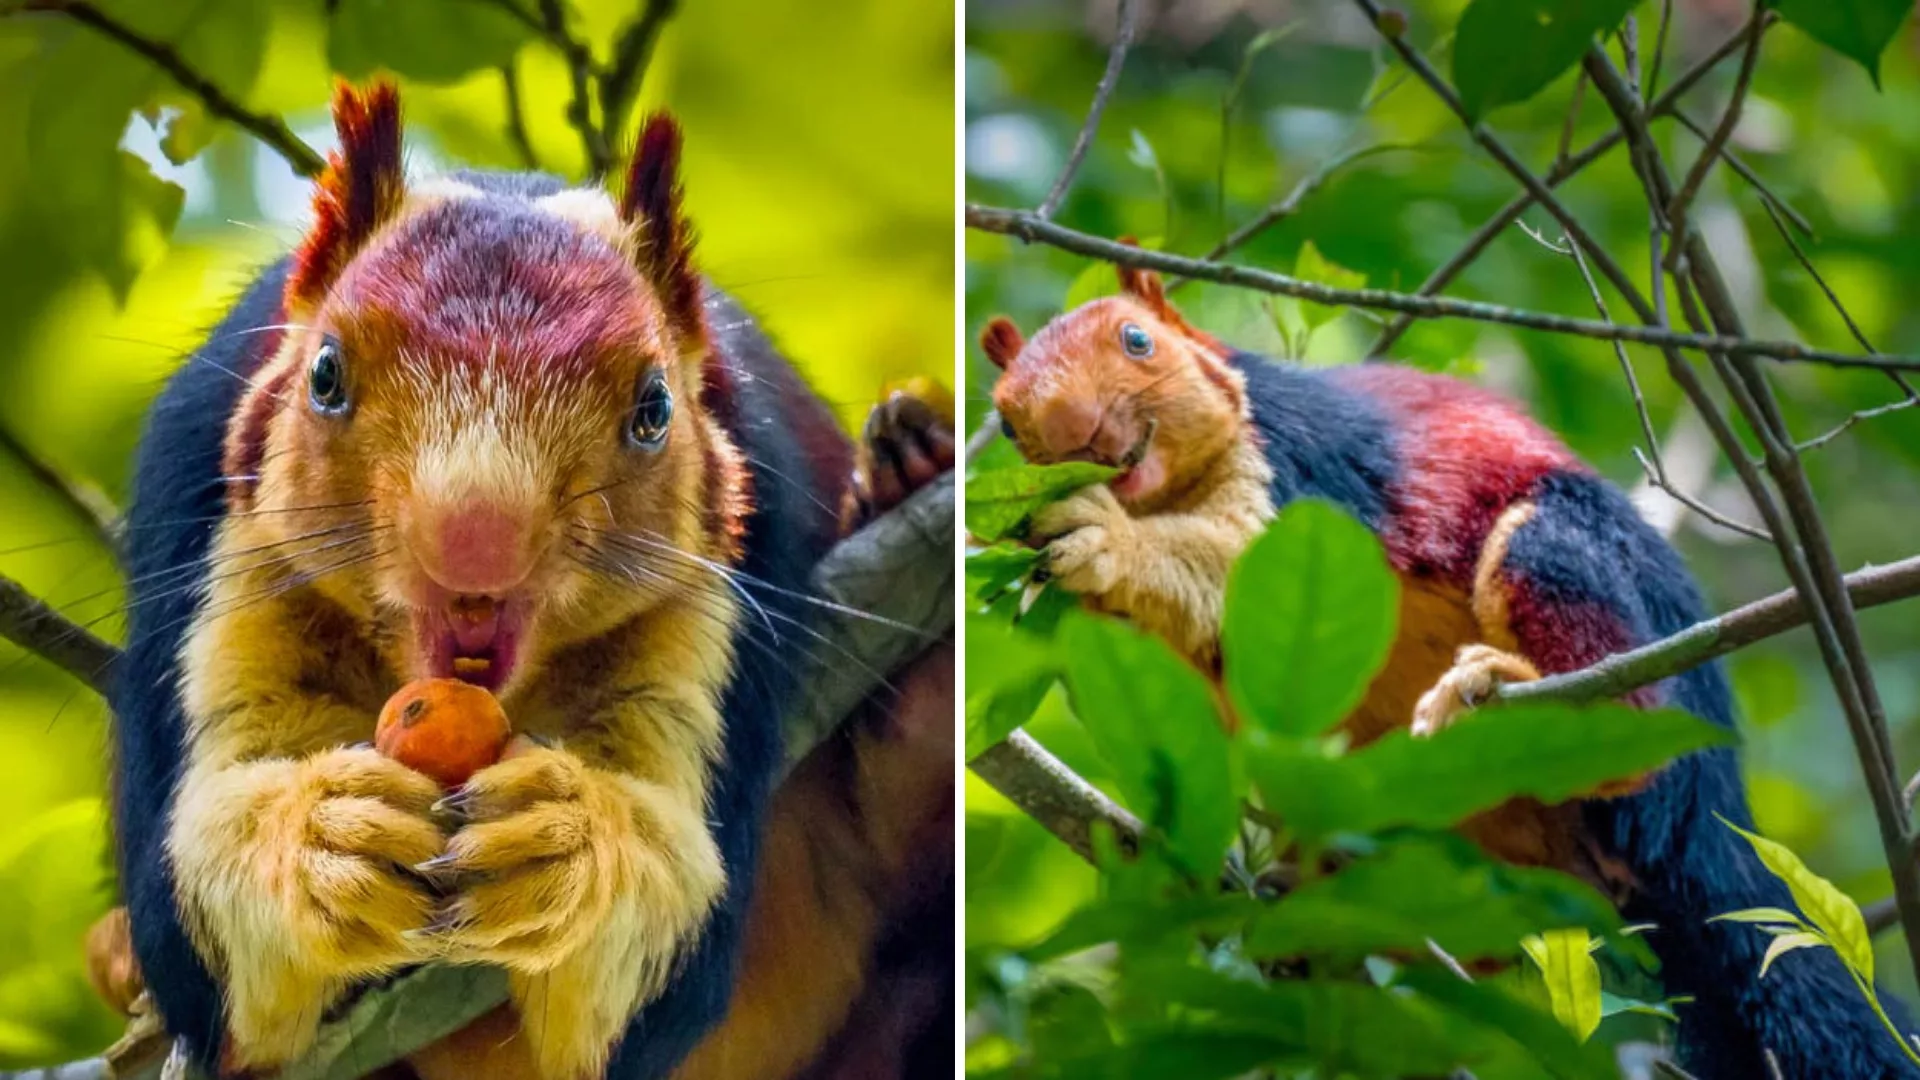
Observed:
{"x":906,"y":443}
{"x":1477,"y":670}
{"x":338,"y":839}
{"x":1087,"y":535}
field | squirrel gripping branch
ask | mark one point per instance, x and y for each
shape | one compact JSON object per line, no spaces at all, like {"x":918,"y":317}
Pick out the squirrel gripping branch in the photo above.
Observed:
{"x":1515,"y":560}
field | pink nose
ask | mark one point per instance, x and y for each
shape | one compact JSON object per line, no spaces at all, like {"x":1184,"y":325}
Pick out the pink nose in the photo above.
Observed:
{"x":475,"y":549}
{"x":1065,"y":424}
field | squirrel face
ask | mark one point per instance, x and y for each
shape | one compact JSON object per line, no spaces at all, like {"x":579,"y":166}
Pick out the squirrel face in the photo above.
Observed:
{"x":1124,"y":381}
{"x":498,"y":407}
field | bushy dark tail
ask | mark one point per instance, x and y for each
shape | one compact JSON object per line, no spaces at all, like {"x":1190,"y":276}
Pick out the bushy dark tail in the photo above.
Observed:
{"x":1807,"y":1011}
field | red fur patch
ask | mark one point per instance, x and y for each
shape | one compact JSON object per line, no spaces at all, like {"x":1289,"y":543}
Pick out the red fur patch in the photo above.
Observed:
{"x":1465,"y":455}
{"x":361,"y":189}
{"x":246,"y":443}
{"x":1001,"y":340}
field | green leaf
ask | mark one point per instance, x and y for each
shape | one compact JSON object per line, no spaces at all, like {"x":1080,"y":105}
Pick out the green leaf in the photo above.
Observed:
{"x":1438,"y":888}
{"x":1520,"y":1025}
{"x":1310,"y":613}
{"x":1310,"y":265}
{"x":1509,"y":50}
{"x":991,"y":570}
{"x":434,"y":41}
{"x":1615,"y":1004}
{"x":1565,"y":960}
{"x":1786,"y":943}
{"x":1153,"y":718}
{"x":1858,"y":29}
{"x":1548,"y":752}
{"x":999,"y":501}
{"x":1008,"y":673}
{"x":1833,"y":912}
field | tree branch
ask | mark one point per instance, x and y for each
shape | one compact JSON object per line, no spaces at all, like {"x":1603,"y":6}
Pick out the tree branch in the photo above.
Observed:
{"x":580,"y":70}
{"x":1027,"y":226}
{"x":1623,"y":673}
{"x":86,"y":502}
{"x":1055,"y":796}
{"x":517,"y":118}
{"x":894,"y":577}
{"x":268,"y":128}
{"x":1110,"y":78}
{"x":632,"y":55}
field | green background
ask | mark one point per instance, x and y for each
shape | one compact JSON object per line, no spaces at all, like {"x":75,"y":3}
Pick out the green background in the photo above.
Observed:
{"x":1816,"y":129}
{"x":819,"y":169}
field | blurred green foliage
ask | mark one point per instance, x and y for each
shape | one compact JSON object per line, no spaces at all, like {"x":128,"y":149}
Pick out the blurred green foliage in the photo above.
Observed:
{"x":819,"y":169}
{"x":1224,"y":108}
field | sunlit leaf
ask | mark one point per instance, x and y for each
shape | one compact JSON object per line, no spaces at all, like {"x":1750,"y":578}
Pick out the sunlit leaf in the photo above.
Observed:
{"x":1760,"y":915}
{"x":1831,"y":911}
{"x":1783,"y":944}
{"x":1310,"y":614}
{"x":999,"y":501}
{"x":1555,"y":1050}
{"x":1508,"y":50}
{"x":1615,"y":1004}
{"x":1572,"y":977}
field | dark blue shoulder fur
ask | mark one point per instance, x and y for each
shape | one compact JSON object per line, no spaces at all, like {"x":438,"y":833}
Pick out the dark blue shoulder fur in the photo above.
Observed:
{"x":1322,"y":440}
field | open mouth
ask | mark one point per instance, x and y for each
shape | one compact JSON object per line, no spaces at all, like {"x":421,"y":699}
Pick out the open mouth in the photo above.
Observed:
{"x":474,"y":639}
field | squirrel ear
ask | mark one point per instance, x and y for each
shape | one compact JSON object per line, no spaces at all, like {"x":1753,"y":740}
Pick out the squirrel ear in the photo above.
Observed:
{"x":651,"y":204}
{"x":360,"y":190}
{"x":1001,"y":340}
{"x":1143,"y":285}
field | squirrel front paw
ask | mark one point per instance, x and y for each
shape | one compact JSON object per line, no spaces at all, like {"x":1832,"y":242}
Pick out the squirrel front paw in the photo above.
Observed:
{"x":585,"y":884}
{"x":1477,"y":670}
{"x":296,"y":871}
{"x":907,"y":442}
{"x":1088,"y":536}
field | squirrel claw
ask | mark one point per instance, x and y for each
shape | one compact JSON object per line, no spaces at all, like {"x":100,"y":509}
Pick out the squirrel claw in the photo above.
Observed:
{"x":1477,"y":671}
{"x":906,"y":444}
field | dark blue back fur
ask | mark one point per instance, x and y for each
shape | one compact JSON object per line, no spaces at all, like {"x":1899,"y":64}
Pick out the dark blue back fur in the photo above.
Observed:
{"x":177,"y":505}
{"x":1321,"y":440}
{"x":178,"y":501}
{"x":1587,"y":545}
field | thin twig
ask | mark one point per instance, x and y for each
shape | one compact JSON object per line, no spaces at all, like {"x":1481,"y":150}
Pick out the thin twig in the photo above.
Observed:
{"x":1026,"y":226}
{"x":30,"y":623}
{"x":632,"y":55}
{"x":86,"y":502}
{"x":1729,"y":119}
{"x":517,"y":118}
{"x":268,"y":128}
{"x":1623,"y":673}
{"x":1496,"y":225}
{"x":1734,"y":161}
{"x":1289,"y":206}
{"x":1116,"y":60}
{"x":580,"y":71}
{"x":1652,"y":86}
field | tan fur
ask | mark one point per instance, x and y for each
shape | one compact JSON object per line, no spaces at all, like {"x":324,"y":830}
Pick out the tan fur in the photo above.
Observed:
{"x":1165,"y":571}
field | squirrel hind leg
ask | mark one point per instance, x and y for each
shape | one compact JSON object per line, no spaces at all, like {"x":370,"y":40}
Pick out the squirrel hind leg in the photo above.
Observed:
{"x":907,"y":442}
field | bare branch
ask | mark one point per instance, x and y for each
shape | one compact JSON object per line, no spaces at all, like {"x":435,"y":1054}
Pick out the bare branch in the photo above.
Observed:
{"x":30,"y":623}
{"x":268,"y":128}
{"x":87,"y":502}
{"x":1768,"y":197}
{"x":632,"y":54}
{"x":580,"y":71}
{"x":1623,"y":673}
{"x":517,"y":118}
{"x":1026,"y":226}
{"x":1053,"y":795}
{"x":1696,"y":175}
{"x":1477,"y":244}
{"x":1116,"y":60}
{"x":1289,"y":206}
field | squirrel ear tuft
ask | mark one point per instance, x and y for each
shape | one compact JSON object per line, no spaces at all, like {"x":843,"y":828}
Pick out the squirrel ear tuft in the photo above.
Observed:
{"x":1143,"y":285}
{"x":651,"y":204}
{"x":361,"y":189}
{"x":1001,"y":340}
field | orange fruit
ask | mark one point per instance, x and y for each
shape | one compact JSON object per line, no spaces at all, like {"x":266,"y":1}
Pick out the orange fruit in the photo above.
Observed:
{"x":445,"y":728}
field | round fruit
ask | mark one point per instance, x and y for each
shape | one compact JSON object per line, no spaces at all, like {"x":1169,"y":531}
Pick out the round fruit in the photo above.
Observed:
{"x":445,"y":728}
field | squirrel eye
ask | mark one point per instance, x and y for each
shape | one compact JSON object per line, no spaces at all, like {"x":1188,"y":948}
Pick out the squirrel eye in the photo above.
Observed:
{"x":1006,"y":428}
{"x":652,"y":413}
{"x":1137,"y":342}
{"x":327,"y":380}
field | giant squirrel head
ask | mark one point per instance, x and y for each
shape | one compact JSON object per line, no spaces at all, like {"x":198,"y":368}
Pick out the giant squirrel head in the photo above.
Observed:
{"x":488,"y":426}
{"x":1122,"y":380}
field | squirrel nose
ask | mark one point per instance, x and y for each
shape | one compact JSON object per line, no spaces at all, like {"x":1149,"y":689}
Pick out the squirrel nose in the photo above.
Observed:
{"x":1065,"y":424}
{"x":474,"y":549}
